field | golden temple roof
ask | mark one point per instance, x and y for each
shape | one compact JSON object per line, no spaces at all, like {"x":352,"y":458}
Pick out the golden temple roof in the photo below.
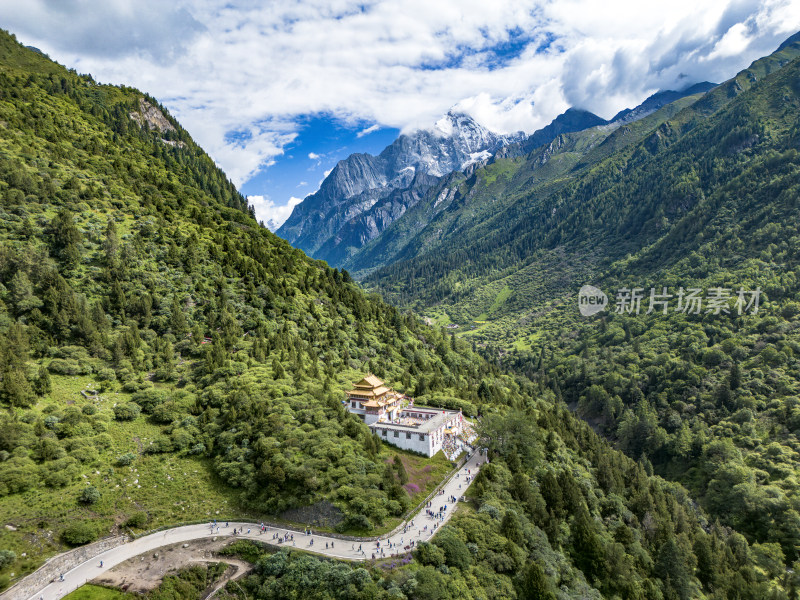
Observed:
{"x":369,"y":382}
{"x":370,"y":386}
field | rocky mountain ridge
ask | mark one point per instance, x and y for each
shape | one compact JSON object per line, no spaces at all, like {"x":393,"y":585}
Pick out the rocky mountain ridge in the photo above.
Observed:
{"x":365,"y":194}
{"x":357,"y":200}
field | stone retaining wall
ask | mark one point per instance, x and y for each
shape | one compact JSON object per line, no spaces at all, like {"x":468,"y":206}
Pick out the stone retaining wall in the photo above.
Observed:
{"x":50,"y":570}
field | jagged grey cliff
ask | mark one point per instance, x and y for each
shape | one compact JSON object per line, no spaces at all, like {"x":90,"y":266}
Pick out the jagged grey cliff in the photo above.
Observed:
{"x":364,"y":194}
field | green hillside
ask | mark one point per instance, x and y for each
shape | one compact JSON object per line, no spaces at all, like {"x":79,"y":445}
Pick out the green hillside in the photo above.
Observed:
{"x":164,"y":359}
{"x":146,"y":313}
{"x":705,"y":198}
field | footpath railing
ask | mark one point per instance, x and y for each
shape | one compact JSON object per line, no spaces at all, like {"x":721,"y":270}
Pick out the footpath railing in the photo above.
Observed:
{"x":339,"y":536}
{"x":59,"y":564}
{"x":410,"y":513}
{"x":459,"y":463}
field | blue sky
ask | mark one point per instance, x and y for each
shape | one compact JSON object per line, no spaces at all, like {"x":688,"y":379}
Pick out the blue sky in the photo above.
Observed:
{"x":321,"y":142}
{"x":262,"y":86}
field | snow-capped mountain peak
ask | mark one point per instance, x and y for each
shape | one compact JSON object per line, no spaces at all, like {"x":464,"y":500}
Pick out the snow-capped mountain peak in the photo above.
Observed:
{"x":361,"y":181}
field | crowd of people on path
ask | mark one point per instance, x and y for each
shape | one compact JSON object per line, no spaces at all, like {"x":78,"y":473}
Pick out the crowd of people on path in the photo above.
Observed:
{"x":284,"y":538}
{"x":437,"y":514}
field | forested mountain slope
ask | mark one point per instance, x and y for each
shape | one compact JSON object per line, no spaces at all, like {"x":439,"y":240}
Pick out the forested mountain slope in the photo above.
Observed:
{"x":492,"y":220}
{"x":707,"y":198}
{"x":466,"y":198}
{"x":165,"y":359}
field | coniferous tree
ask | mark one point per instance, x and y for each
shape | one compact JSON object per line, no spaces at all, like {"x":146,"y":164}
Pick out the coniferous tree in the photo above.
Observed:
{"x":277,"y":370}
{"x":22,"y":293}
{"x":533,"y":584}
{"x":587,"y":551}
{"x":111,"y":243}
{"x":16,"y":390}
{"x":66,"y":238}
{"x":510,"y":527}
{"x":402,"y":474}
{"x":672,"y":566}
{"x":735,"y":378}
{"x":42,"y":384}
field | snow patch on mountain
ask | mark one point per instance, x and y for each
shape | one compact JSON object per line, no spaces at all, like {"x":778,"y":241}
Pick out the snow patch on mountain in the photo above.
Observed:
{"x":476,"y":157}
{"x":359,"y":182}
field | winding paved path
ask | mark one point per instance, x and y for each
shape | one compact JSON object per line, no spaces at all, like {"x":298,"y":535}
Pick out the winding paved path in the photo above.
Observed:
{"x":419,"y":528}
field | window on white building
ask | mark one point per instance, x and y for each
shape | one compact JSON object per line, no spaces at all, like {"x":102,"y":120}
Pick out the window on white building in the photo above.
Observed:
{"x":396,"y":434}
{"x":408,"y":435}
{"x":421,"y":437}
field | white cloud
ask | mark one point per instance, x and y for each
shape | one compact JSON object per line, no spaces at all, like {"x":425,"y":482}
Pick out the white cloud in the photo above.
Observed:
{"x":241,"y":159}
{"x":254,"y":68}
{"x":732,"y":43}
{"x":273,"y":215}
{"x":324,"y":176}
{"x":313,"y":155}
{"x":368,"y":130}
{"x":150,"y":28}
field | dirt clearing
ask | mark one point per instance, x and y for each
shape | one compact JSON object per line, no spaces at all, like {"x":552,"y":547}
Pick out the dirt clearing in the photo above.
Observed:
{"x":145,"y":572}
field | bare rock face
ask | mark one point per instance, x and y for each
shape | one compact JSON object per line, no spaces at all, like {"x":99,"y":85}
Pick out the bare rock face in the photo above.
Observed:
{"x":364,"y":194}
{"x":152,"y":117}
{"x":319,"y":514}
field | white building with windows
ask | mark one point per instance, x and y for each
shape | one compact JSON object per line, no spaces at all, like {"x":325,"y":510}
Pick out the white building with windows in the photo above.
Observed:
{"x":423,"y":430}
{"x":394,"y":418}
